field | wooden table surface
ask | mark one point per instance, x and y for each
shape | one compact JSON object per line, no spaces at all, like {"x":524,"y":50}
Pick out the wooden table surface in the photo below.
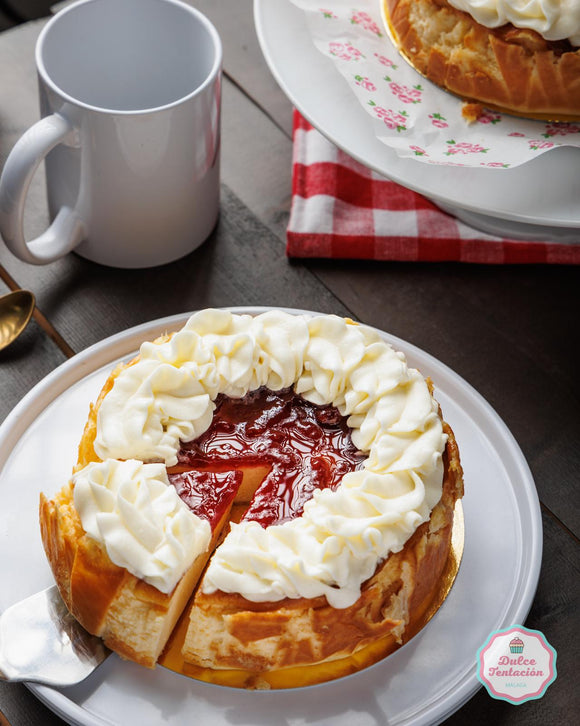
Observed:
{"x":507,"y":330}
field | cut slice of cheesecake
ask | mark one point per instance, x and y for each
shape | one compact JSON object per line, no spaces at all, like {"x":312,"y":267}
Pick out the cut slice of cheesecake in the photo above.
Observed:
{"x":133,"y":617}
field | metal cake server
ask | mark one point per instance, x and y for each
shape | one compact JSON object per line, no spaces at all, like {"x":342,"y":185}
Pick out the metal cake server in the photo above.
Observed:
{"x":40,"y":641}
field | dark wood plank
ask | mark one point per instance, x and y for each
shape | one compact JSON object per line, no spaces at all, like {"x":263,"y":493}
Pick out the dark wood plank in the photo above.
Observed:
{"x":22,"y":708}
{"x":25,"y":362}
{"x":22,"y":10}
{"x":7,"y":20}
{"x":257,"y":162}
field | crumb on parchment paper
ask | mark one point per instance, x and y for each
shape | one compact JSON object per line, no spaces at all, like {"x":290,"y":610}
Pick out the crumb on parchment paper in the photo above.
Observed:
{"x":471,"y":111}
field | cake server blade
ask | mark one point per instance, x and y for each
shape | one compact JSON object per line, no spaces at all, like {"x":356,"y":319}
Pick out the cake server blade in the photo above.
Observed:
{"x":40,"y":641}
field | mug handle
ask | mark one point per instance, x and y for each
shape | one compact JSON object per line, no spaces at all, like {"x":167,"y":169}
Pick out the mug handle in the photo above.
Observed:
{"x":67,"y":229}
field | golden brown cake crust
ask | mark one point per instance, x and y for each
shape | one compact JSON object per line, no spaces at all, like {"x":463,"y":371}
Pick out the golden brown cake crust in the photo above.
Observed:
{"x":514,"y":70}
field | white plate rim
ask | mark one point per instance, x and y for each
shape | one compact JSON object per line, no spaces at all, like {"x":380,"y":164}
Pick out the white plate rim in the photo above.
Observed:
{"x":126,"y":342}
{"x":483,"y":197}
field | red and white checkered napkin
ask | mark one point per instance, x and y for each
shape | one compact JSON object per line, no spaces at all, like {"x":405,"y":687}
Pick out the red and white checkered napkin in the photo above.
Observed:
{"x":342,"y":209}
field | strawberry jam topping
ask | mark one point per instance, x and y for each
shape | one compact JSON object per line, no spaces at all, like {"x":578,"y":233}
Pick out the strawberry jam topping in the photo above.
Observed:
{"x":207,"y":493}
{"x":305,"y":446}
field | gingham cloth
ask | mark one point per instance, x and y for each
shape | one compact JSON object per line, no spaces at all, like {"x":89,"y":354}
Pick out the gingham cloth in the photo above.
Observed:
{"x":342,"y":209}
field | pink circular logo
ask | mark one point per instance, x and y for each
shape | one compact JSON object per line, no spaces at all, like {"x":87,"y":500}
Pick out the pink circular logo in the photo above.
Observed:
{"x":516,"y":664}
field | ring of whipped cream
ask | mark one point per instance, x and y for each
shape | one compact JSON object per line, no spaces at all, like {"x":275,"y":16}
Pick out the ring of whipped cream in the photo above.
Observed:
{"x":552,"y":19}
{"x":167,"y":396}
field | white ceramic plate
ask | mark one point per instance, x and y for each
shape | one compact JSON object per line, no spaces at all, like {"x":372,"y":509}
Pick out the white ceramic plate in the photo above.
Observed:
{"x":539,"y":199}
{"x":422,"y":683}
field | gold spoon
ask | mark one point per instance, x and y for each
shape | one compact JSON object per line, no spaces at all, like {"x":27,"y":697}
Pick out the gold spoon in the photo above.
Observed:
{"x":15,"y":312}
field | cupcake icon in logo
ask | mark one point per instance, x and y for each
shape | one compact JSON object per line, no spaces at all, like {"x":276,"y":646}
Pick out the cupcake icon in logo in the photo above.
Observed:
{"x":516,"y":645}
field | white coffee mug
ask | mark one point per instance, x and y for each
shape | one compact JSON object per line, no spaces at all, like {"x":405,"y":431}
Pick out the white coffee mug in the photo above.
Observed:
{"x":130,"y":133}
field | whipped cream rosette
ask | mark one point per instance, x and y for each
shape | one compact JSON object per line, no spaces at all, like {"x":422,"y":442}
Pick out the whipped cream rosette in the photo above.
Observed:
{"x":130,"y":508}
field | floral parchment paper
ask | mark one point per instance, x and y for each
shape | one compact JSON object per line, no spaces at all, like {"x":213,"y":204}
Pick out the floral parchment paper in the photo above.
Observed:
{"x":410,"y":114}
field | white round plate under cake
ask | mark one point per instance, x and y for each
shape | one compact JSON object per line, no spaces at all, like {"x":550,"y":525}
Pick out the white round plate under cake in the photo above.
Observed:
{"x":538,"y":200}
{"x":422,"y":683}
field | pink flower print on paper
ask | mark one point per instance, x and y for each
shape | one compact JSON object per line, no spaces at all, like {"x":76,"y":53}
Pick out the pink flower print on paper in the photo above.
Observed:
{"x":464,"y":147}
{"x":393,"y":120}
{"x":404,"y":93}
{"x":328,"y":13}
{"x":516,"y":133}
{"x":365,"y":83}
{"x":383,"y":60}
{"x":438,"y":120}
{"x":495,"y":165}
{"x":489,"y":117}
{"x":536,"y":145}
{"x":344,"y":51}
{"x":359,"y":17}
{"x":561,"y":129}
{"x":418,"y":151}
